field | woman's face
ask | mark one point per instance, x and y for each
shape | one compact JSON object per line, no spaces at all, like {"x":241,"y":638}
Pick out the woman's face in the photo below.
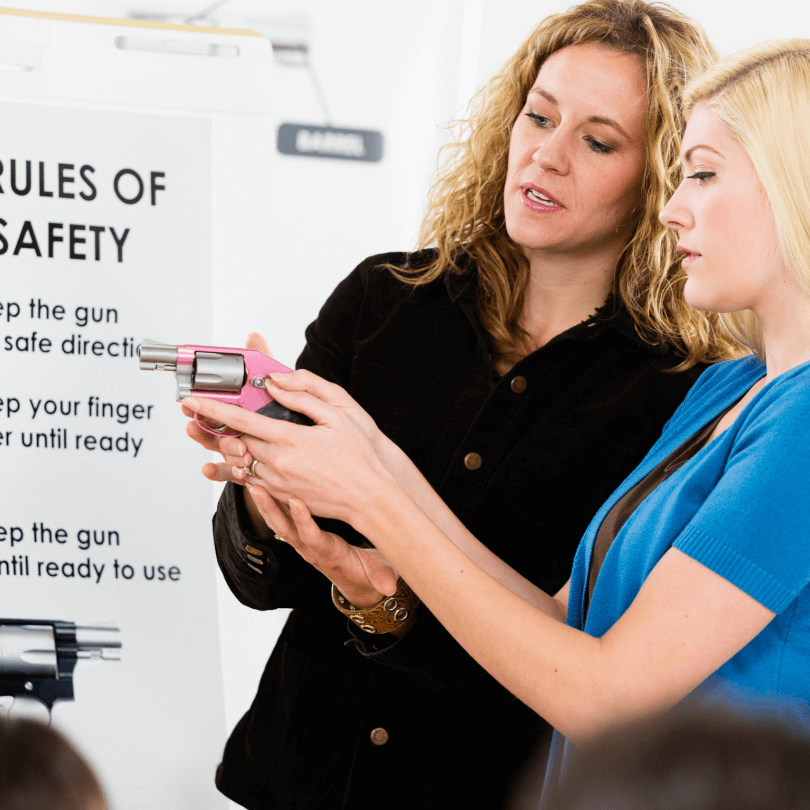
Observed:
{"x":577,"y":155}
{"x":724,"y":222}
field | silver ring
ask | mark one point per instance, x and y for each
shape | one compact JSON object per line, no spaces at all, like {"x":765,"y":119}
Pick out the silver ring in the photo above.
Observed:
{"x":251,"y":470}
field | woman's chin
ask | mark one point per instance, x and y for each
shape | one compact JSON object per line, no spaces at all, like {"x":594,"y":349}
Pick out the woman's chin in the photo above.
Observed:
{"x":698,"y":297}
{"x":711,"y":303}
{"x":697,"y":302}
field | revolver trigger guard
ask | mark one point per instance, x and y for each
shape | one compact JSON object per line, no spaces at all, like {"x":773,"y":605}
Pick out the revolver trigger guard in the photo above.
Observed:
{"x":220,"y":431}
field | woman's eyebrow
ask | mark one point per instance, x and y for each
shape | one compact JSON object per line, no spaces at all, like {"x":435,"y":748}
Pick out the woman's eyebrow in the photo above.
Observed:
{"x":601,"y":119}
{"x":594,"y":119}
{"x":545,"y":94}
{"x":691,"y":149}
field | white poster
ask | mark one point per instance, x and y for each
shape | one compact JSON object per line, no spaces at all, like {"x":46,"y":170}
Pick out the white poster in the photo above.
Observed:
{"x":105,"y":239}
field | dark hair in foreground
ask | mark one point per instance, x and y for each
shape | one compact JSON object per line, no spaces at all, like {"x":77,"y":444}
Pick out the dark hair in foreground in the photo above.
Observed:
{"x":465,"y":212}
{"x":40,"y":770}
{"x":711,"y":759}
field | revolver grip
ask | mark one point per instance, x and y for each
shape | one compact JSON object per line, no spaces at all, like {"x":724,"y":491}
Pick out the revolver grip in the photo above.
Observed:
{"x":276,"y":410}
{"x":12,"y":706}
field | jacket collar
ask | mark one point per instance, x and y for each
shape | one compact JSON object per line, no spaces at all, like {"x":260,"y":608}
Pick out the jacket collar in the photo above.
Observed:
{"x":462,"y":287}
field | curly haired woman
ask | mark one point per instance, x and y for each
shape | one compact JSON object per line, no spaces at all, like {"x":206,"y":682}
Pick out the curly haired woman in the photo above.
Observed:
{"x":525,"y":359}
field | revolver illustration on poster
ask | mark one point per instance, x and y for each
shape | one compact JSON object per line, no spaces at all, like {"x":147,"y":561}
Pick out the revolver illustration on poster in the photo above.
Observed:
{"x":233,"y":376}
{"x":38,"y":657}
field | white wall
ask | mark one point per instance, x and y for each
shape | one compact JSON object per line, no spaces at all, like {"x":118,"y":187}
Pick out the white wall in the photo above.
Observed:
{"x":730,"y":24}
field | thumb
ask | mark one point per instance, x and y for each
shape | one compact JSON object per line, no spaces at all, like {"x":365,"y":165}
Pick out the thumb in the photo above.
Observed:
{"x":384,"y":580}
{"x":256,"y":341}
{"x":219,"y":472}
{"x":301,"y":401}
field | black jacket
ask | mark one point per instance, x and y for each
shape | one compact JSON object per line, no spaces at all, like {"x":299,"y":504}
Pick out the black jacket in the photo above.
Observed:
{"x":555,"y":436}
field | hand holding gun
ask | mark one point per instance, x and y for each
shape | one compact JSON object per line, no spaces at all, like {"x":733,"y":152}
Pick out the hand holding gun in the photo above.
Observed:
{"x":37,"y":659}
{"x":233,"y":376}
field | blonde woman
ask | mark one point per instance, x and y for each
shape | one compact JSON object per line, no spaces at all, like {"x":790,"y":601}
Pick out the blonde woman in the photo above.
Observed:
{"x":524,"y":361}
{"x":694,"y":574}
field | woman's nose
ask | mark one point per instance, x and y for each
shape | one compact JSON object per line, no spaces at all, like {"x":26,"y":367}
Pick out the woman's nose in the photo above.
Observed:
{"x":552,"y":154}
{"x":675,"y":214}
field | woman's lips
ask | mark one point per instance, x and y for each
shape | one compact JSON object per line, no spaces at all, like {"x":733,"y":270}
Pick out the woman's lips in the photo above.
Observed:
{"x":689,"y":256}
{"x":539,"y":200}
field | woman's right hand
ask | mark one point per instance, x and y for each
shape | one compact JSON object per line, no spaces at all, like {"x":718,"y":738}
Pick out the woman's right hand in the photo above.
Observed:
{"x":305,"y":382}
{"x":234,"y":452}
{"x":230,"y":448}
{"x":362,"y":575}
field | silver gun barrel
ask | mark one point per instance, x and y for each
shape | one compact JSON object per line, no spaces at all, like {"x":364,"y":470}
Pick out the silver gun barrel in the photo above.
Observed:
{"x":157,"y":356}
{"x":99,"y":641}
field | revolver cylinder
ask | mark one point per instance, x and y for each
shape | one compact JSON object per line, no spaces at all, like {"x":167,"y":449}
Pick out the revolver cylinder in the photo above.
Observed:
{"x":218,"y":372}
{"x":28,"y":650}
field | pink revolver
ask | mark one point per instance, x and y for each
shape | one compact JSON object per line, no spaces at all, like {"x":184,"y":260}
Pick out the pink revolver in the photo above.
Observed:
{"x":233,"y":376}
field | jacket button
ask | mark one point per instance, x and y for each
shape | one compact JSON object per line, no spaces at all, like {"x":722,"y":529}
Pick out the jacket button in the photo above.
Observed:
{"x":518,"y":384}
{"x":379,"y":736}
{"x":472,"y":461}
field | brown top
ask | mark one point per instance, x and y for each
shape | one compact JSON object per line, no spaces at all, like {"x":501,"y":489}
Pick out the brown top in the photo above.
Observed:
{"x":625,"y":506}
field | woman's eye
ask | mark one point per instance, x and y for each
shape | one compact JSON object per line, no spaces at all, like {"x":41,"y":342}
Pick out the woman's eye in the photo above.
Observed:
{"x":599,"y":146}
{"x":539,"y":120}
{"x":701,"y":177}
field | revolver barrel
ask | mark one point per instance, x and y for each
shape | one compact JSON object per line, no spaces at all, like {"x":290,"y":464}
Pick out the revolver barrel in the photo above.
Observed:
{"x":157,"y":356}
{"x":98,"y":641}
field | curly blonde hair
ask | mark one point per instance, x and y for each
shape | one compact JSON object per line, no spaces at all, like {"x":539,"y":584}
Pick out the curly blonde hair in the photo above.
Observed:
{"x":762,"y":95}
{"x":465,"y":212}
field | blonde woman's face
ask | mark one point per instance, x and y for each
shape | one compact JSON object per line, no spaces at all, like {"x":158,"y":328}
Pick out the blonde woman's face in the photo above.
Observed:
{"x":577,"y":155}
{"x":726,"y":230}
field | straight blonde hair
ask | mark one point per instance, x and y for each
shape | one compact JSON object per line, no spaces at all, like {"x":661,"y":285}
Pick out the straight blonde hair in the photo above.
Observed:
{"x":762,"y":95}
{"x":465,"y":212}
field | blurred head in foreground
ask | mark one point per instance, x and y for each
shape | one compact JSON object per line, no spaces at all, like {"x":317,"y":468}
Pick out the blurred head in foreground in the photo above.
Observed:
{"x":40,"y":770}
{"x":707,"y":759}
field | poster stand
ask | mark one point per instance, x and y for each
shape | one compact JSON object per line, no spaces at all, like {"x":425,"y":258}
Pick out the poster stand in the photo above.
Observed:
{"x":133,"y":180}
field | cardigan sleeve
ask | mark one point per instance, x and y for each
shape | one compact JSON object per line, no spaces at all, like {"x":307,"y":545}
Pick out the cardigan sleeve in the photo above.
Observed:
{"x":752,"y":528}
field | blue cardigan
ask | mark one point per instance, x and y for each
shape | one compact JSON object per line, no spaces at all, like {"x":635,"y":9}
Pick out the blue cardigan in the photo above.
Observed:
{"x":741,"y":507}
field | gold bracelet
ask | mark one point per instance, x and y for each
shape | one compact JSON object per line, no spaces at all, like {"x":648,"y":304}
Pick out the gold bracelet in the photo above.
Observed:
{"x":392,"y":614}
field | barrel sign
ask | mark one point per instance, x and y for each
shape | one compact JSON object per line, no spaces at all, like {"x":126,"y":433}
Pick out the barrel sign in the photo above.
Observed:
{"x":306,"y":140}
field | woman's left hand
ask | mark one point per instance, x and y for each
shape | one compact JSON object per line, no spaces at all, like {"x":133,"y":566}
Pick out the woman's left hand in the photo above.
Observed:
{"x":329,"y":465}
{"x":362,"y":575}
